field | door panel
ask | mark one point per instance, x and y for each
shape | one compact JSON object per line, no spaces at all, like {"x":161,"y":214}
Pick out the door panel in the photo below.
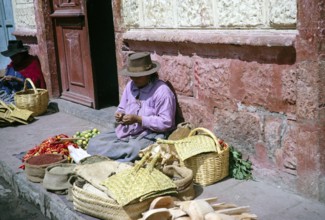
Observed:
{"x":74,"y":52}
{"x":85,"y":43}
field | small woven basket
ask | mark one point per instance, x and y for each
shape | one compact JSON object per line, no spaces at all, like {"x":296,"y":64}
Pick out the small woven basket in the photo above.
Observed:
{"x":203,"y":154}
{"x":35,"y":100}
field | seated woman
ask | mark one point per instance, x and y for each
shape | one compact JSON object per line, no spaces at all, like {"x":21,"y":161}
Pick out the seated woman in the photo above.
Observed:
{"x":22,"y":66}
{"x":146,"y":112}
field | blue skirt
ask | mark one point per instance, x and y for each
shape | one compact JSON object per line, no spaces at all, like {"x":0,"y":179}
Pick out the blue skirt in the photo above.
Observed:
{"x":122,"y":150}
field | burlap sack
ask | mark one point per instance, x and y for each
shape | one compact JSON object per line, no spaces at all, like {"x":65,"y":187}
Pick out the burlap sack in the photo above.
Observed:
{"x":183,"y":179}
{"x":95,"y":173}
{"x":182,"y":131}
{"x":57,"y":177}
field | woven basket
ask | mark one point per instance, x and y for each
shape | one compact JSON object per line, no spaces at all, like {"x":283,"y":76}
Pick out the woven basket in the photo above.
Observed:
{"x":35,"y":100}
{"x":202,"y":153}
{"x":138,"y":183}
{"x":103,"y":207}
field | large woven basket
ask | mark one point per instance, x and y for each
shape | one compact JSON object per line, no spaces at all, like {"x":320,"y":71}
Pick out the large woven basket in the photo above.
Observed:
{"x":35,"y":99}
{"x":95,"y":203}
{"x":202,"y":153}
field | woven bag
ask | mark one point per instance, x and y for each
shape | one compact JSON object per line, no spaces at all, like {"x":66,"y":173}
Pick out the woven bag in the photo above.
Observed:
{"x":202,"y":153}
{"x":138,"y":183}
{"x":35,"y":100}
{"x":91,"y":201}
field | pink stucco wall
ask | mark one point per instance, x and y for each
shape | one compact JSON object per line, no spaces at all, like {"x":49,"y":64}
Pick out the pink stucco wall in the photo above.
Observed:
{"x":267,"y":101}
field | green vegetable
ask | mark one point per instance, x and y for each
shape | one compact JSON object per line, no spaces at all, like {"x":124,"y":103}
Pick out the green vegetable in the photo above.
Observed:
{"x":239,"y":168}
{"x":85,"y":136}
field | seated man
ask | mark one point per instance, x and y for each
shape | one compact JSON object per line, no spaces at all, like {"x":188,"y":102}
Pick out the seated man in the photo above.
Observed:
{"x":146,"y":112}
{"x":22,"y":66}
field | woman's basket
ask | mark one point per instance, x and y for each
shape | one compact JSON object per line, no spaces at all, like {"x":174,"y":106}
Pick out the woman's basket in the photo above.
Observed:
{"x":202,"y":153}
{"x":35,"y":100}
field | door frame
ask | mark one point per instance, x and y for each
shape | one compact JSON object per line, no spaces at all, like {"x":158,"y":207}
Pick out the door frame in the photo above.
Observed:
{"x":6,"y":28}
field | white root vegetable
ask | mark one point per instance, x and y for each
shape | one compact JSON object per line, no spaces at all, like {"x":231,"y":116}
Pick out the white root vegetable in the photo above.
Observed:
{"x":198,"y":209}
{"x":212,"y":216}
{"x":234,"y":211}
{"x":162,"y":202}
{"x":157,"y":214}
{"x":176,"y":212}
{"x":223,"y":205}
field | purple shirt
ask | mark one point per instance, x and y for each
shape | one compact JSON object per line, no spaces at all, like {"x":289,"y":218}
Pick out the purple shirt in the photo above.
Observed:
{"x":156,"y":104}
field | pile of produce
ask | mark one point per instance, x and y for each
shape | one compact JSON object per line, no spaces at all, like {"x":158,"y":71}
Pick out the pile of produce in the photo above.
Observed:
{"x":58,"y":144}
{"x":83,"y":137}
{"x":45,"y":159}
{"x":52,"y":145}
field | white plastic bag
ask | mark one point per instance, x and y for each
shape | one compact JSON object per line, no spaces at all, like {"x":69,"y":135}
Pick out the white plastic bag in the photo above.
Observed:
{"x":77,"y":154}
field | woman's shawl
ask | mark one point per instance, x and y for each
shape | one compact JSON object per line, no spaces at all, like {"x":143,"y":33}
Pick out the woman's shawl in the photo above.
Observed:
{"x":12,"y":86}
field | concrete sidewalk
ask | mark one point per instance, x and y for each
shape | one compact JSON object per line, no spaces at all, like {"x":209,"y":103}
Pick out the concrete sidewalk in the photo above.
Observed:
{"x":266,"y":201}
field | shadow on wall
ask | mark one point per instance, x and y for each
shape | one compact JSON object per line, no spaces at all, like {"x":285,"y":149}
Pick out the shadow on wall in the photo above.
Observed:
{"x":179,"y":118}
{"x":262,"y":54}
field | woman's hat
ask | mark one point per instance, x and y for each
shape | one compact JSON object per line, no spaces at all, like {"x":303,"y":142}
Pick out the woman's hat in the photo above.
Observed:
{"x":14,"y":47}
{"x":140,"y":64}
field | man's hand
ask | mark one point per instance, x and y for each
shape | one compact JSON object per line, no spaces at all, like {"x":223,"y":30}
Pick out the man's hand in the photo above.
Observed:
{"x":131,"y":119}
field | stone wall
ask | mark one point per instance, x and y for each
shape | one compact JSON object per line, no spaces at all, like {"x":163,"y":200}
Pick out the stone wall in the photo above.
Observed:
{"x":25,"y":23}
{"x":33,"y":25}
{"x":209,"y":14}
{"x":251,"y":71}
{"x":24,"y":14}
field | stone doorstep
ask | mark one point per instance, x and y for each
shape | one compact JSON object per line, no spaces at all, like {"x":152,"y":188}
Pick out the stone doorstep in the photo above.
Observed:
{"x":103,"y":117}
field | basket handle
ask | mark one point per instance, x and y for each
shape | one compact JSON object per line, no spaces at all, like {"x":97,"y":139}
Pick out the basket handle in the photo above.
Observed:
{"x":153,"y":162}
{"x":218,"y":146}
{"x":142,"y":161}
{"x":30,"y":82}
{"x":5,"y":105}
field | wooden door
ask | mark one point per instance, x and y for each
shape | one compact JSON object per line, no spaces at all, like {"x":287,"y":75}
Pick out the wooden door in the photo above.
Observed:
{"x":72,"y":42}
{"x":6,"y":29}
